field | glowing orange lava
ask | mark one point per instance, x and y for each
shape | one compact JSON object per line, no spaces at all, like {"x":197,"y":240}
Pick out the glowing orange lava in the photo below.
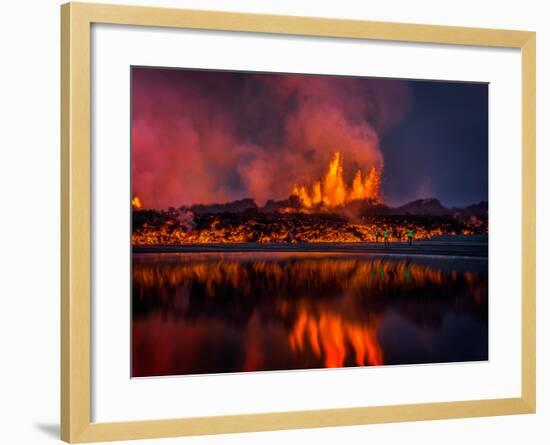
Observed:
{"x":329,"y":336}
{"x":332,"y":190}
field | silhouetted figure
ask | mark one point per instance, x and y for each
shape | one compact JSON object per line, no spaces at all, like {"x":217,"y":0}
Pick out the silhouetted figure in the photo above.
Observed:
{"x":377,"y":235}
{"x":386,"y":237}
{"x":410,"y":235}
{"x":395,"y":233}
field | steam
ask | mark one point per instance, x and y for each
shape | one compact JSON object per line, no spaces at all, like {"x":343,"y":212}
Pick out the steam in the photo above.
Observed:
{"x":186,"y":218}
{"x":210,"y":137}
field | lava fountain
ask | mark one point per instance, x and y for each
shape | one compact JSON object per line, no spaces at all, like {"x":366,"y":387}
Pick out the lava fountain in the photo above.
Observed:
{"x":332,"y":190}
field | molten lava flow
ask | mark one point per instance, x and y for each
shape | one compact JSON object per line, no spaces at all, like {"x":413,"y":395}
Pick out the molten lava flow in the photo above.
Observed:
{"x":161,"y":229}
{"x":332,"y":190}
{"x":136,"y":203}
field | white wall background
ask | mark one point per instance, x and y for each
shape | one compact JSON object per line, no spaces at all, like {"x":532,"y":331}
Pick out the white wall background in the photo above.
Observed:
{"x":29,"y":219}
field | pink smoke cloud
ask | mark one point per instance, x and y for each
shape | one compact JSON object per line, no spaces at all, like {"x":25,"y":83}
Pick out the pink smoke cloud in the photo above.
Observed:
{"x":207,"y":137}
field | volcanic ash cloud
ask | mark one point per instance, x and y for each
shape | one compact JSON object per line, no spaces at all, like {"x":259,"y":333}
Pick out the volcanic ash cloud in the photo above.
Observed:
{"x":210,"y":137}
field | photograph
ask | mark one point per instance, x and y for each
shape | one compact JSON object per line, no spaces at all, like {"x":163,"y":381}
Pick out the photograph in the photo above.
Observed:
{"x":301,"y":221}
{"x":277,"y":221}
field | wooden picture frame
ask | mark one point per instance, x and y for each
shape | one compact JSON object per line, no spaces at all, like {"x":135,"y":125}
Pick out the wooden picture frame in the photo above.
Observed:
{"x":76,"y":21}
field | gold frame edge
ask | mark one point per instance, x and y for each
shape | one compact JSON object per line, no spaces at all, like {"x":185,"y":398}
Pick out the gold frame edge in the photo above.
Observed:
{"x":76,"y":19}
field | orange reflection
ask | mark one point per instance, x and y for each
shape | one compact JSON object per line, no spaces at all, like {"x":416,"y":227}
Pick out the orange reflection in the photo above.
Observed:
{"x":350,"y":272}
{"x":227,"y":312}
{"x":332,"y":337}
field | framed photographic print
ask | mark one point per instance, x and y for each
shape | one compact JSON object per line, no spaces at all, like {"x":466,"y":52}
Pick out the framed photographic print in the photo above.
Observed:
{"x":279,"y":222}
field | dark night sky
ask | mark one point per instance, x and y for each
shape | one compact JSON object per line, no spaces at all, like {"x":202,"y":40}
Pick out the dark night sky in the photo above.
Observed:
{"x":208,"y":136}
{"x":440,"y":148}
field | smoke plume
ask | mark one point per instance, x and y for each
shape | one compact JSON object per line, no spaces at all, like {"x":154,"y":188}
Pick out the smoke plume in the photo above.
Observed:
{"x":209,"y":137}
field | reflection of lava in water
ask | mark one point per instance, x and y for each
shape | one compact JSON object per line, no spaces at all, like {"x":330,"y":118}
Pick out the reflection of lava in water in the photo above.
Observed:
{"x":236,"y":270}
{"x":228,"y":312}
{"x":329,"y":336}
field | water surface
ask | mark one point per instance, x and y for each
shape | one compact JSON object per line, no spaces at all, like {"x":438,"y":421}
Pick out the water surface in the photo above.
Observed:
{"x":195,"y":313}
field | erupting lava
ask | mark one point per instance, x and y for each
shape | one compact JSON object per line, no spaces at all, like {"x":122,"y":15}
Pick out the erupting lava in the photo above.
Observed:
{"x":332,"y":210}
{"x":332,"y":190}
